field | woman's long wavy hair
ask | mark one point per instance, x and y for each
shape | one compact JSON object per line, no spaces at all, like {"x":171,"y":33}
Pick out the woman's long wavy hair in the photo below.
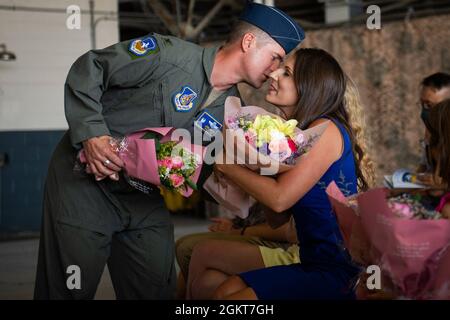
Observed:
{"x":323,"y":92}
{"x":355,"y":111}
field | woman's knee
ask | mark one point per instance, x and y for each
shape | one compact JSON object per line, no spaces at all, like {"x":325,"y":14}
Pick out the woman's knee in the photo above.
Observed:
{"x":206,"y":283}
{"x":230,"y":286}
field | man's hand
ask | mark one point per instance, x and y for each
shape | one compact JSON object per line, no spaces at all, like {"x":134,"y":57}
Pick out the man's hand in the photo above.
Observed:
{"x":102,"y":161}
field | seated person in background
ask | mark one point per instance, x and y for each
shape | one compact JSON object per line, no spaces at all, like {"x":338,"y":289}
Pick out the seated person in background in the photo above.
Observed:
{"x":439,"y":149}
{"x":251,"y":236}
{"x":214,"y":260}
{"x":435,"y":89}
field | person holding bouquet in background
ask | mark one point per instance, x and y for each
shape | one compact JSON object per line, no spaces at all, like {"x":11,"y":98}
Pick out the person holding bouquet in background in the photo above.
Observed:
{"x":438,"y":131}
{"x":310,"y":88}
{"x":434,"y":89}
{"x":154,"y":81}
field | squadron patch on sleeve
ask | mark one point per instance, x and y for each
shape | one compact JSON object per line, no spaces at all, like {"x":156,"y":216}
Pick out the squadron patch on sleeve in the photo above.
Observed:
{"x":142,"y":47}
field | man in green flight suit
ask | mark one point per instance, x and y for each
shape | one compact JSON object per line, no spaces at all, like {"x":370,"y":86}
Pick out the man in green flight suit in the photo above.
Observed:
{"x":95,"y":218}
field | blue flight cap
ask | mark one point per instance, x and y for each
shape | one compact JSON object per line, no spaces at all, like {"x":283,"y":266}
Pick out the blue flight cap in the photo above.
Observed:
{"x":282,"y":28}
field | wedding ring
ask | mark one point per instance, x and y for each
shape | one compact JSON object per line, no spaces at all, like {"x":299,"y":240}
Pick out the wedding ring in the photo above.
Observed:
{"x":106,"y":162}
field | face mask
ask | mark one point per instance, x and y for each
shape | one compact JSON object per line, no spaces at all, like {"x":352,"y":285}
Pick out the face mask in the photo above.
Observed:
{"x":425,"y":116}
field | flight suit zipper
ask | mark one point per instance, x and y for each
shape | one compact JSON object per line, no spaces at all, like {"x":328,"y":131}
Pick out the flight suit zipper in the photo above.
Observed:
{"x":161,"y":105}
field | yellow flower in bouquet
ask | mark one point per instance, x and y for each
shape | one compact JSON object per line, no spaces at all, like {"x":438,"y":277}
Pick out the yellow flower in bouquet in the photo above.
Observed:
{"x":266,"y":127}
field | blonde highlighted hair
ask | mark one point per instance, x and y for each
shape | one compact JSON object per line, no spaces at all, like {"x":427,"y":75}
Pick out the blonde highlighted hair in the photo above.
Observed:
{"x":355,"y":111}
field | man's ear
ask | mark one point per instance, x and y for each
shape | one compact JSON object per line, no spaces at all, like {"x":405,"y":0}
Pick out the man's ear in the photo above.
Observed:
{"x":248,"y":40}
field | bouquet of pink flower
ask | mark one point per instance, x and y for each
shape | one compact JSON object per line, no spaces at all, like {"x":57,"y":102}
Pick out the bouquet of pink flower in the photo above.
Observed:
{"x":176,"y":165}
{"x":151,"y":157}
{"x":262,"y":141}
{"x":408,"y":241}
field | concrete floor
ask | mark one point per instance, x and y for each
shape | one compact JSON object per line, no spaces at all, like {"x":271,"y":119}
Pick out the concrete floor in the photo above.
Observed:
{"x":18,"y":263}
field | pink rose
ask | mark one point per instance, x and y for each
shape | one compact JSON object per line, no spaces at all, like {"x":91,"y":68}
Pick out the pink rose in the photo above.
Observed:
{"x":279,"y":146}
{"x":177,"y":162}
{"x":166,"y":162}
{"x":279,"y":150}
{"x":402,"y":210}
{"x":176,"y":180}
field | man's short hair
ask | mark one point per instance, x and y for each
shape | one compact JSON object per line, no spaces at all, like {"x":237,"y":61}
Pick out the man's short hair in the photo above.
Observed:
{"x":243,"y":27}
{"x":437,"y":81}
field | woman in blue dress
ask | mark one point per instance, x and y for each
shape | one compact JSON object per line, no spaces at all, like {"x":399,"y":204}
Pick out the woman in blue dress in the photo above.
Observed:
{"x":310,"y":87}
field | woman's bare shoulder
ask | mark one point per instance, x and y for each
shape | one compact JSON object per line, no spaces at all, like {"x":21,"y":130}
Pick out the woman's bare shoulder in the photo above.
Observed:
{"x":319,"y":121}
{"x":331,"y":128}
{"x":333,"y":141}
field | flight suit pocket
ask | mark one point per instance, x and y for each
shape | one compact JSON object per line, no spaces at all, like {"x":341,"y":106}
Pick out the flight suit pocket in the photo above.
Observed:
{"x":140,"y":110}
{"x":159,"y":243}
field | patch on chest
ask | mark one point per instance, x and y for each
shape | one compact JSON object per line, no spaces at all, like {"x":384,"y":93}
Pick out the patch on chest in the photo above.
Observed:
{"x":208,"y":124}
{"x":184,"y":100}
